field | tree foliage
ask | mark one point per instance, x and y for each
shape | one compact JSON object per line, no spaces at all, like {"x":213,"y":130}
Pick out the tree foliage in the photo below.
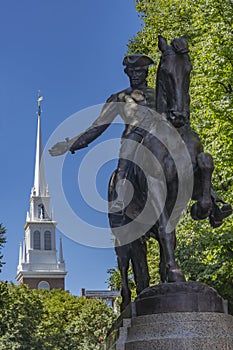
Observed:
{"x":90,"y":327}
{"x":50,"y":320}
{"x":205,"y":254}
{"x":20,"y":316}
{"x":2,"y":242}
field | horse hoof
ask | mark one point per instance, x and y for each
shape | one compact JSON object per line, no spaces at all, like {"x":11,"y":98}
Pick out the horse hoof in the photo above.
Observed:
{"x":198,"y":212}
{"x":124,"y":305}
{"x":213,"y":222}
{"x":218,"y":214}
{"x":226,"y":210}
{"x":175,"y":275}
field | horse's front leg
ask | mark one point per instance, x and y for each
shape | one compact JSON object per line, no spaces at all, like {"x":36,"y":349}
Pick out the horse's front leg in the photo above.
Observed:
{"x":201,"y":209}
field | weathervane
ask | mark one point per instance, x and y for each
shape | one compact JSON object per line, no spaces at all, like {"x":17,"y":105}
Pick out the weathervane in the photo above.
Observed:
{"x":40,"y":98}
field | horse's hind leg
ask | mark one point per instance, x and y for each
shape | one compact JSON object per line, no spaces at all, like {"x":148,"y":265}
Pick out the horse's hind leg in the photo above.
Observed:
{"x":140,"y":266}
{"x":201,"y":209}
{"x":123,"y":264}
{"x":162,"y":263}
{"x":165,"y":235}
{"x":167,"y":242}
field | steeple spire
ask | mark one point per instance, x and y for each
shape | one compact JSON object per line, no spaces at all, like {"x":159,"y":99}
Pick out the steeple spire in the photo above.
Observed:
{"x":61,"y":259}
{"x":39,"y":178}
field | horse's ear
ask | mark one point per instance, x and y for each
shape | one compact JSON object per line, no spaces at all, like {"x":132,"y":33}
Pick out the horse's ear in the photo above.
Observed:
{"x":162,"y":43}
{"x":180,"y":45}
{"x":184,"y":39}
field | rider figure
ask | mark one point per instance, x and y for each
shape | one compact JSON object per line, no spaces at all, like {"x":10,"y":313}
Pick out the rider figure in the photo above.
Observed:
{"x":136,"y":67}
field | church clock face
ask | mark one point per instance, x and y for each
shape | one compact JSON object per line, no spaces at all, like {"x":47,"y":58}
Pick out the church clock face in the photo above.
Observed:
{"x":44,"y":285}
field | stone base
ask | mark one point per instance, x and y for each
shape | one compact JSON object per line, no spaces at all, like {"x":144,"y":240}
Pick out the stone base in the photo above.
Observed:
{"x":179,"y":297}
{"x":175,"y":331}
{"x":174,"y":316}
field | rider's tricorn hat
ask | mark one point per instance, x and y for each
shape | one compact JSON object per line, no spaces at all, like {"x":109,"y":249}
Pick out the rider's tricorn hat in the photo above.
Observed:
{"x":137,"y":60}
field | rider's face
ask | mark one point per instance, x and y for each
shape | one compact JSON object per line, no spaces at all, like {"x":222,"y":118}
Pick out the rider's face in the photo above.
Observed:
{"x":137,"y":75}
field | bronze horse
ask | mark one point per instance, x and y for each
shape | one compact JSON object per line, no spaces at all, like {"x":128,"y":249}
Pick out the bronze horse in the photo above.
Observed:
{"x":169,"y":88}
{"x":163,"y":181}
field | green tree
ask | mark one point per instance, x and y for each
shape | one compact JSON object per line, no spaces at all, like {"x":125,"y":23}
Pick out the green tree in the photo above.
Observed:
{"x":2,"y":242}
{"x":20,"y":316}
{"x":59,"y":309}
{"x":50,"y":320}
{"x":89,"y":328}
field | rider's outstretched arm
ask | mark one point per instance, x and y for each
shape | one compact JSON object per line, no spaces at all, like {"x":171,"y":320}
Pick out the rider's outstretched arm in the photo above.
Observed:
{"x":107,"y":115}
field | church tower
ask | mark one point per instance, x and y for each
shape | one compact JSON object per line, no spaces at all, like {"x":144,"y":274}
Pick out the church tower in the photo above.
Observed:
{"x":38,"y":266}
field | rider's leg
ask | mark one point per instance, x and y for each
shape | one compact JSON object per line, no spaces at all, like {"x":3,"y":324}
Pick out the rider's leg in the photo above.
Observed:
{"x":121,"y":178}
{"x":127,"y":154}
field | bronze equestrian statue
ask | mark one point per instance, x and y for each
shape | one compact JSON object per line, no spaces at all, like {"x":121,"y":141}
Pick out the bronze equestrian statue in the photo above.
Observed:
{"x":158,"y":122}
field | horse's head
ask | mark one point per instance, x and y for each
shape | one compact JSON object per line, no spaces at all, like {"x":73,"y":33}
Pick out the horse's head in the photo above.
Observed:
{"x":173,"y":78}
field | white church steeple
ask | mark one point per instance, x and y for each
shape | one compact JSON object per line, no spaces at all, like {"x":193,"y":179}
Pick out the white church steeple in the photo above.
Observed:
{"x":38,"y":265}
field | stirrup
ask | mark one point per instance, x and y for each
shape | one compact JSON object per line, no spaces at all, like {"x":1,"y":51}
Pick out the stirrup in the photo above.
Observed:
{"x":117,"y":207}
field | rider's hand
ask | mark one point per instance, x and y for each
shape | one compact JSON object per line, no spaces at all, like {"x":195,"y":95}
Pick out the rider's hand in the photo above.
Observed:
{"x":59,"y":148}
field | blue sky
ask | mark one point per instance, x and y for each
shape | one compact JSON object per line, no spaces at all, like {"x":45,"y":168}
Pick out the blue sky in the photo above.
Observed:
{"x":72,"y":51}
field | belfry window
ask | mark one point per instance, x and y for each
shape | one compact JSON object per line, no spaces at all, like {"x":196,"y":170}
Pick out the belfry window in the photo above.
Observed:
{"x":47,"y":240}
{"x":41,"y":211}
{"x":36,"y":240}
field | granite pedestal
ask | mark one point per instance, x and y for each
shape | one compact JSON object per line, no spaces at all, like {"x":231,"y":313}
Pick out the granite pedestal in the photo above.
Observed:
{"x":194,"y":317}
